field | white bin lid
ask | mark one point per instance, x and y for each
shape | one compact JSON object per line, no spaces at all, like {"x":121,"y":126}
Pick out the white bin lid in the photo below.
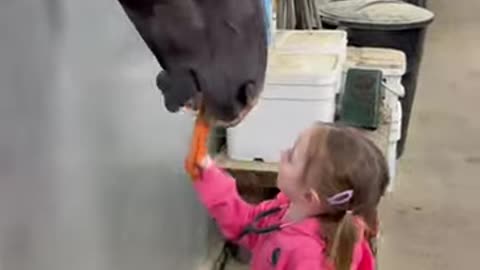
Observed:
{"x":302,"y":68}
{"x":390,"y":61}
{"x":311,"y":40}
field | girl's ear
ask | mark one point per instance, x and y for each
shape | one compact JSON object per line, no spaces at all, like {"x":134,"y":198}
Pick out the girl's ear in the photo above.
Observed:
{"x":313,"y":197}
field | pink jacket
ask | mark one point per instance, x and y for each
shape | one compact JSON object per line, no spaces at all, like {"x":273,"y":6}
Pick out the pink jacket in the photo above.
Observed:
{"x":296,"y":247}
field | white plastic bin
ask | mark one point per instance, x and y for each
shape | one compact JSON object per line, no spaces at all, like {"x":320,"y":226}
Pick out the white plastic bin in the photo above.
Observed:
{"x":311,"y":41}
{"x":395,"y":135}
{"x":299,"y":90}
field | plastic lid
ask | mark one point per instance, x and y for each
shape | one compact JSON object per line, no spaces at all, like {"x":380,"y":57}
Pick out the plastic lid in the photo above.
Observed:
{"x":301,"y":68}
{"x":389,"y":61}
{"x":316,"y":40}
{"x":376,"y":13}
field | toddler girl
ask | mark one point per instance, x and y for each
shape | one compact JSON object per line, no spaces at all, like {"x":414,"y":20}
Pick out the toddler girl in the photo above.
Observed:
{"x":330,"y":183}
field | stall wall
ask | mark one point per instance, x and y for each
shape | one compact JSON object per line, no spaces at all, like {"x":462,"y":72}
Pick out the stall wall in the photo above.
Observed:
{"x":91,"y":172}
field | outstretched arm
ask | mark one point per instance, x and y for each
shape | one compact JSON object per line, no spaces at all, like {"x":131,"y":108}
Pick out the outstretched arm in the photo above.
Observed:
{"x":217,"y":190}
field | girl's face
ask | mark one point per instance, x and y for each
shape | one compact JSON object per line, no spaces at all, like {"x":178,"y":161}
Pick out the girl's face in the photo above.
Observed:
{"x":292,"y":163}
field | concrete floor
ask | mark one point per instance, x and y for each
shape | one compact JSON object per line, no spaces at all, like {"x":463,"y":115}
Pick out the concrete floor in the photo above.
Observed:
{"x":432,"y":220}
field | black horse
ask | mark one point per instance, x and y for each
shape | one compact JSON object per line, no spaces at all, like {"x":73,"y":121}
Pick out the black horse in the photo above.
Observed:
{"x":213,"y":53}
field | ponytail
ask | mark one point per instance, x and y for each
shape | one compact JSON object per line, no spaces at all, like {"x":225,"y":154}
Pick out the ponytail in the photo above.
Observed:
{"x":343,"y":245}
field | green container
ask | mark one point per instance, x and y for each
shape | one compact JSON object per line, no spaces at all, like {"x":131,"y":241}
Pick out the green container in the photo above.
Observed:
{"x":361,"y":99}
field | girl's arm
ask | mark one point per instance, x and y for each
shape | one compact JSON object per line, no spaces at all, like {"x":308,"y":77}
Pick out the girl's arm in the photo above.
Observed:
{"x":218,"y":193}
{"x":217,"y":190}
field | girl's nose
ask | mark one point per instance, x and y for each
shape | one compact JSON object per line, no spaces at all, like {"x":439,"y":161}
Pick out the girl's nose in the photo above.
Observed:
{"x":283,"y":155}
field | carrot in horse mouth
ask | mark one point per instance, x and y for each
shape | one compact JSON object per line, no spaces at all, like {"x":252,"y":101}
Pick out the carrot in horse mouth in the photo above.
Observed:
{"x":198,"y":145}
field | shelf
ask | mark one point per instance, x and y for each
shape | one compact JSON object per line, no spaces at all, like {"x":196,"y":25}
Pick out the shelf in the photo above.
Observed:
{"x":257,"y":166}
{"x":265,"y":173}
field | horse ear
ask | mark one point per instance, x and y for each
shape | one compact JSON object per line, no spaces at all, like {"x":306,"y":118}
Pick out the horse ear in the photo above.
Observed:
{"x":177,"y":88}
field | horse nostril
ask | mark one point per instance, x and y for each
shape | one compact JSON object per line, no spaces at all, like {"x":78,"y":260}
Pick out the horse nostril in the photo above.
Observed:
{"x":245,"y":93}
{"x":170,"y":106}
{"x":162,"y":81}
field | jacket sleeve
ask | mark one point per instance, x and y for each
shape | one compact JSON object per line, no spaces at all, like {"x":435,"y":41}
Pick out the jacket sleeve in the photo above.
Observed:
{"x":218,"y":193}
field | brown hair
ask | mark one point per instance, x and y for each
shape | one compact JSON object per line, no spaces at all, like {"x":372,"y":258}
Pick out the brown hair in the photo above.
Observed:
{"x":340,"y":158}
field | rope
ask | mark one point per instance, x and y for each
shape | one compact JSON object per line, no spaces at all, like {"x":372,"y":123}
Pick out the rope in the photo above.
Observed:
{"x":298,"y":14}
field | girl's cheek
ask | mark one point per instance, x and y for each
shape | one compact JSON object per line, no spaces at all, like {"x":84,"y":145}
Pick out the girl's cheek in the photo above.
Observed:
{"x":283,"y":176}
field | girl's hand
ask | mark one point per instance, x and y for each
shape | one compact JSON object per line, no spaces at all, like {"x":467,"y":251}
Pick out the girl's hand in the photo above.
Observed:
{"x":198,"y":156}
{"x":206,"y":162}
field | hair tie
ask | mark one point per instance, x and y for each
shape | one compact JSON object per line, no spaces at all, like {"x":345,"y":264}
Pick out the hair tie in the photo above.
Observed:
{"x":341,"y":197}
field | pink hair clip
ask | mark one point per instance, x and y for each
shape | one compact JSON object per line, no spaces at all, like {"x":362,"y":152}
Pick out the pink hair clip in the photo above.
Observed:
{"x":341,"y":198}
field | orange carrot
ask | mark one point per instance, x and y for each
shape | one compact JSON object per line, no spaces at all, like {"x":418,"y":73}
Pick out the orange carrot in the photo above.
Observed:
{"x":198,"y":147}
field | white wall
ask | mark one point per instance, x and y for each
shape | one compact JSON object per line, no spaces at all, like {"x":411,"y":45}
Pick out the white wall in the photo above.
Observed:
{"x":91,"y":172}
